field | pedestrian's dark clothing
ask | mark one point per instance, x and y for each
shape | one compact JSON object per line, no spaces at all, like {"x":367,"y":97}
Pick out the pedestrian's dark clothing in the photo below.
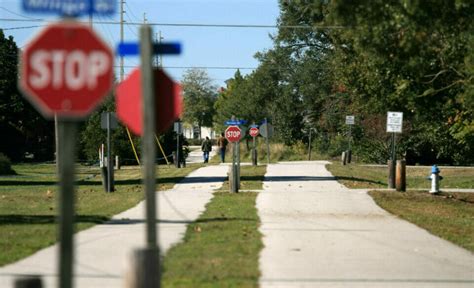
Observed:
{"x":222,"y":143}
{"x":206,"y":147}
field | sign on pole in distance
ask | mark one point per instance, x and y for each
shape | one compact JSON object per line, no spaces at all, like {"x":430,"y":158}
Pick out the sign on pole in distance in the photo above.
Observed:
{"x":178,"y":127}
{"x":66,"y":70}
{"x":266,"y":130}
{"x":71,"y":7}
{"x":113,"y":120}
{"x":350,"y":120}
{"x":233,"y":134}
{"x":394,"y":122}
{"x":253,"y":131}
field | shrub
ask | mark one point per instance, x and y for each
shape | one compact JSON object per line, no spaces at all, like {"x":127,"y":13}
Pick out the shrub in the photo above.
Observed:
{"x":5,"y":165}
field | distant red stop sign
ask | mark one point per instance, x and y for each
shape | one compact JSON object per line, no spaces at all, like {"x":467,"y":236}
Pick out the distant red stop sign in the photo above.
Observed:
{"x":66,"y":70}
{"x":233,"y":133}
{"x":253,"y":131}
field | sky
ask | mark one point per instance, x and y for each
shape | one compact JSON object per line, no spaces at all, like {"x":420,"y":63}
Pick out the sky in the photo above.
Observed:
{"x":202,"y":46}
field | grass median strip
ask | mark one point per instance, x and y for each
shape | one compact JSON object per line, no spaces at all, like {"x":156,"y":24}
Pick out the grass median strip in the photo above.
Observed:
{"x":448,"y":215}
{"x":222,"y":247}
{"x":28,"y":204}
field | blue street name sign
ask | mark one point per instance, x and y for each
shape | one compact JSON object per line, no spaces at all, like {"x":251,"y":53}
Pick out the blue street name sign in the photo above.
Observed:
{"x":235,"y":122}
{"x":71,"y":7}
{"x":132,"y":48}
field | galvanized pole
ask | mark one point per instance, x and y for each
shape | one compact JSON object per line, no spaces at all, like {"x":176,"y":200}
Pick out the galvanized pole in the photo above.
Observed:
{"x":268,"y":144}
{"x":150,"y":256}
{"x":66,"y":149}
{"x":309,"y":149}
{"x":110,"y":165}
{"x":148,"y":150}
{"x":122,"y":71}
{"x":392,"y":164}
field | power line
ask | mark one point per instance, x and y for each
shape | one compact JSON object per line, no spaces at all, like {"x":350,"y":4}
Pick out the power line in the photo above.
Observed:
{"x":22,"y":27}
{"x":17,"y":14}
{"x":196,"y":25}
{"x":201,"y":67}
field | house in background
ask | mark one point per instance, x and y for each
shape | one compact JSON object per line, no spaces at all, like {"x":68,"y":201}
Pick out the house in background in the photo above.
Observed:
{"x":192,"y":132}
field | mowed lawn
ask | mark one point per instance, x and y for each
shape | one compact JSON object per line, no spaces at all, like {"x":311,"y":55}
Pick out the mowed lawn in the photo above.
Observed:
{"x":447,"y":215}
{"x":371,"y":176}
{"x":28,"y":203}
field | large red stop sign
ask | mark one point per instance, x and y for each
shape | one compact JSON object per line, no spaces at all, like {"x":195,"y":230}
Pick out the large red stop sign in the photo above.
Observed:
{"x":233,"y":133}
{"x":66,"y":70}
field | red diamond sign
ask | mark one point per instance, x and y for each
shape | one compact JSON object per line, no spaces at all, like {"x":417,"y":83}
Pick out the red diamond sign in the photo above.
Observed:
{"x":129,"y":101}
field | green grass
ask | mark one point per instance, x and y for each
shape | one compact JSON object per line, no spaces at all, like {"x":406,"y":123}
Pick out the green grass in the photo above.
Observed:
{"x":448,"y":215}
{"x":28,"y":204}
{"x":221,"y":248}
{"x":362,"y":176}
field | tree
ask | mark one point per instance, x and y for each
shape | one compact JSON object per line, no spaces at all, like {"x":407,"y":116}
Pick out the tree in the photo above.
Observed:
{"x":199,"y":97}
{"x":22,"y":128}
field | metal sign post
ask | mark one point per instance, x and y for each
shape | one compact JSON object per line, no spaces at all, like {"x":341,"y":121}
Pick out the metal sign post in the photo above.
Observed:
{"x":150,"y":256}
{"x":266,"y":130}
{"x":109,"y":122}
{"x":350,"y":120}
{"x":66,"y":151}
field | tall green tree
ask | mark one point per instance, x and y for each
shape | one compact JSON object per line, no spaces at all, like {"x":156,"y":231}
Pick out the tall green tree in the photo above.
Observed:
{"x":199,"y":97}
{"x":22,"y":128}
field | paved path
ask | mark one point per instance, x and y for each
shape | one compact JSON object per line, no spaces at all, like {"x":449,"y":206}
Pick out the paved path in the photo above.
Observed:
{"x":195,"y":155}
{"x":318,"y":233}
{"x":104,"y":250}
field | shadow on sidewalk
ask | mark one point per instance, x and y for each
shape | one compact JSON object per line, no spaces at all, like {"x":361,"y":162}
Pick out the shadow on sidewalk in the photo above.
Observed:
{"x":47,"y":219}
{"x":168,"y":221}
{"x":298,"y":178}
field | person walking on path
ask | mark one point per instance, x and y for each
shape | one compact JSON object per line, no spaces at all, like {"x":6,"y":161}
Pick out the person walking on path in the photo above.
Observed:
{"x":206,"y":147}
{"x":222,"y":143}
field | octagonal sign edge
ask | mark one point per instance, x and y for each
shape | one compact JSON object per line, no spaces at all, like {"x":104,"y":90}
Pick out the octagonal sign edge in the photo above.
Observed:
{"x":67,"y":70}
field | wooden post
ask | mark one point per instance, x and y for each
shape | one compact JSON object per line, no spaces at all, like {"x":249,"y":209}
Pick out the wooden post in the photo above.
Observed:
{"x":344,"y":158}
{"x":400,"y":182}
{"x":391,"y":174}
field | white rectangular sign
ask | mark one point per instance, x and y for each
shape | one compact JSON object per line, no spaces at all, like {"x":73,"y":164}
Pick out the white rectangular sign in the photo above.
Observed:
{"x":350,"y":120}
{"x":394,"y":122}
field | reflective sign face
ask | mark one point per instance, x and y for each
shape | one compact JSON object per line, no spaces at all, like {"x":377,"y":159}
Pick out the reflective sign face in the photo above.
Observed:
{"x":66,"y":70}
{"x":253,"y":132}
{"x":233,"y":133}
{"x":394,"y":122}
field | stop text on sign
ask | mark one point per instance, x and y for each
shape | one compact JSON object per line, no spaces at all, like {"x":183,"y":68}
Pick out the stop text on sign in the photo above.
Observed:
{"x":233,"y":134}
{"x":66,"y":70}
{"x":73,"y":70}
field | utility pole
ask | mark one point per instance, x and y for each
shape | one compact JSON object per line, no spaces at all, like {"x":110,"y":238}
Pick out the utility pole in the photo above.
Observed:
{"x":122,"y":72}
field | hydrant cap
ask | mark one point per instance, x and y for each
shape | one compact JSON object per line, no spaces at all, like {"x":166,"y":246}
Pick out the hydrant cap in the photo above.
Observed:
{"x":434,"y":169}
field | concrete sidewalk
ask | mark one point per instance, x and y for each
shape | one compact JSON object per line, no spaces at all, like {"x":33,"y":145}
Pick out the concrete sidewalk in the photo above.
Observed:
{"x":102,"y":252}
{"x":317,"y":233}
